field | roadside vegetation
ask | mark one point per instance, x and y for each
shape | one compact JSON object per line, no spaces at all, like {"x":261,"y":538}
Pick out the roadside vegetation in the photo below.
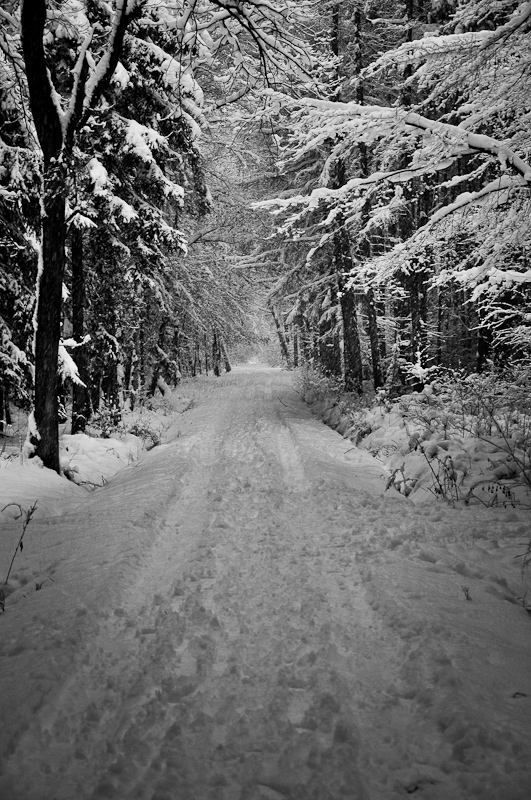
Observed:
{"x":460,"y":438}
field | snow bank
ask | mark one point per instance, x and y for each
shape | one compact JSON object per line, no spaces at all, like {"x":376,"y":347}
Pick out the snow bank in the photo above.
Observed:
{"x":91,"y":461}
{"x":22,"y":485}
{"x":432,"y":454}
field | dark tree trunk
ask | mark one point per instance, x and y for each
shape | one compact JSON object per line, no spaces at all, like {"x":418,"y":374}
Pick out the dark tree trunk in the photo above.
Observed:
{"x":483,"y":350}
{"x":80,"y":394}
{"x":438,"y":356}
{"x":353,"y":367}
{"x":416,"y":284}
{"x":4,"y":406}
{"x":351,"y":343}
{"x":279,"y":324}
{"x":304,"y":333}
{"x":225,"y":356}
{"x":216,"y":354}
{"x":372,"y":327}
{"x":110,"y":386}
{"x":207,"y":364}
{"x":406,"y":94}
{"x":137,"y":364}
{"x":165,"y":367}
{"x":177,"y":349}
{"x":329,"y":340}
{"x":48,"y":332}
{"x":197,"y":361}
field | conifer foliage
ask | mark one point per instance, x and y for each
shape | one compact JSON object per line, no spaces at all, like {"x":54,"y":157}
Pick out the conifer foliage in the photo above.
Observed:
{"x":405,"y":208}
{"x":109,"y":105}
{"x":127,"y":253}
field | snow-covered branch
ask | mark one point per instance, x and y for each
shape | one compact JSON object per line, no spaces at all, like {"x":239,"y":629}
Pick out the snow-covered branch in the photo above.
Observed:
{"x":520,"y":18}
{"x":102,"y":74}
{"x":473,"y":142}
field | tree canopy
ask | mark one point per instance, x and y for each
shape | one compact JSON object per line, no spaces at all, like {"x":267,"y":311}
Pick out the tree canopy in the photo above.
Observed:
{"x":361,"y":168}
{"x":423,"y":172}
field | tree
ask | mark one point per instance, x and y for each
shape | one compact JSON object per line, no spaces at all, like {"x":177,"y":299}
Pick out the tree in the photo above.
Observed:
{"x":56,"y":134}
{"x":445,"y":162}
{"x":19,"y":222}
{"x":252,"y":39}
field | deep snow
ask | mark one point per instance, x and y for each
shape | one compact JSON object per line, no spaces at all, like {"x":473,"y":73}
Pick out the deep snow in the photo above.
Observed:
{"x":244,"y":613}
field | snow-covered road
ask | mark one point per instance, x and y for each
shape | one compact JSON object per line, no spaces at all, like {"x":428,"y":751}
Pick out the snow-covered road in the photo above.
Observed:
{"x":244,"y":614}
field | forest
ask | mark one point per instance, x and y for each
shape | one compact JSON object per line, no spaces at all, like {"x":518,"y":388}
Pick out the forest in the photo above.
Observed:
{"x":181,"y":181}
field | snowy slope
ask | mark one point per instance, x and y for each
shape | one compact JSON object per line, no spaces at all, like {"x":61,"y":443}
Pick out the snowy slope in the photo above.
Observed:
{"x":245,"y":613}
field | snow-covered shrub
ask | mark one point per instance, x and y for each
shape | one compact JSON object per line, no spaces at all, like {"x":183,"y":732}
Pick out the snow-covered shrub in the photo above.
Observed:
{"x":144,"y":425}
{"x":313,"y":384}
{"x":106,"y":423}
{"x":156,"y":403}
{"x":145,"y":430}
{"x":463,"y":438}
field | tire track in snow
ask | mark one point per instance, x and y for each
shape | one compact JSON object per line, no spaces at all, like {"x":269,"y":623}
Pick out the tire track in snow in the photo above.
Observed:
{"x":241,"y":661}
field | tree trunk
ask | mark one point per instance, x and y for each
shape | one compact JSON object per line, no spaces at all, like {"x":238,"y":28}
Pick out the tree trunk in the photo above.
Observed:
{"x":353,"y":367}
{"x":351,"y":343}
{"x":483,"y":348}
{"x":295,"y":346}
{"x":329,"y":340}
{"x":416,"y":285}
{"x":225,"y":356}
{"x":80,"y":394}
{"x":48,"y":316}
{"x":197,"y":359}
{"x":372,"y":327}
{"x":207,"y":365}
{"x":281,"y":335}
{"x":216,"y":354}
{"x":438,"y":356}
{"x":3,"y":406}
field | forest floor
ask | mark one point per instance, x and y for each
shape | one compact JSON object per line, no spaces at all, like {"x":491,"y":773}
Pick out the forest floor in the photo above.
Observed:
{"x":245,"y":613}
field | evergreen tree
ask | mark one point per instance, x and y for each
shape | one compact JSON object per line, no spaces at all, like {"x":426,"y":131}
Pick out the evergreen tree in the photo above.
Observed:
{"x":68,"y":55}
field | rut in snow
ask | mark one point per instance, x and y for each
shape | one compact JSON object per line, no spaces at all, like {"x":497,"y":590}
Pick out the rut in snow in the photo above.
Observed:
{"x":217,"y":634}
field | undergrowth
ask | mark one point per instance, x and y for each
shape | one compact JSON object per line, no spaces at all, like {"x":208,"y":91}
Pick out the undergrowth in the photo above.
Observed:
{"x":106,"y":424}
{"x":453,"y":423}
{"x":26,"y":515}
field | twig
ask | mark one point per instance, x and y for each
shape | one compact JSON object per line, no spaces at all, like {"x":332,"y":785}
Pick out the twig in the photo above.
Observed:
{"x":17,"y":505}
{"x":284,"y":404}
{"x":29,"y":514}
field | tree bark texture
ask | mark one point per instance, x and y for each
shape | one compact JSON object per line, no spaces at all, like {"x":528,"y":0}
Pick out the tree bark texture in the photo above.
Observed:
{"x":351,"y":343}
{"x":225,"y":356}
{"x":416,"y":285}
{"x":329,"y":340}
{"x":48,"y":316}
{"x":4,"y":410}
{"x":295,"y":335}
{"x":80,"y":394}
{"x":279,"y":324}
{"x":372,"y":328}
{"x":216,"y":354}
{"x":353,"y":367}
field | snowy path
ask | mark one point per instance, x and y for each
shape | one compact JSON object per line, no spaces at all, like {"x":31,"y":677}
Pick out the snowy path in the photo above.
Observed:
{"x":222,"y":625}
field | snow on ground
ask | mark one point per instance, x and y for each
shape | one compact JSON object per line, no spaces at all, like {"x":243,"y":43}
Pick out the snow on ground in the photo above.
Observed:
{"x":468,"y":441}
{"x":245,"y":613}
{"x":87,"y":461}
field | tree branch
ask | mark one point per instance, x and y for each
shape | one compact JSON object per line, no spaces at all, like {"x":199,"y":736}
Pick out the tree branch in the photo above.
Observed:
{"x":101,"y":77}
